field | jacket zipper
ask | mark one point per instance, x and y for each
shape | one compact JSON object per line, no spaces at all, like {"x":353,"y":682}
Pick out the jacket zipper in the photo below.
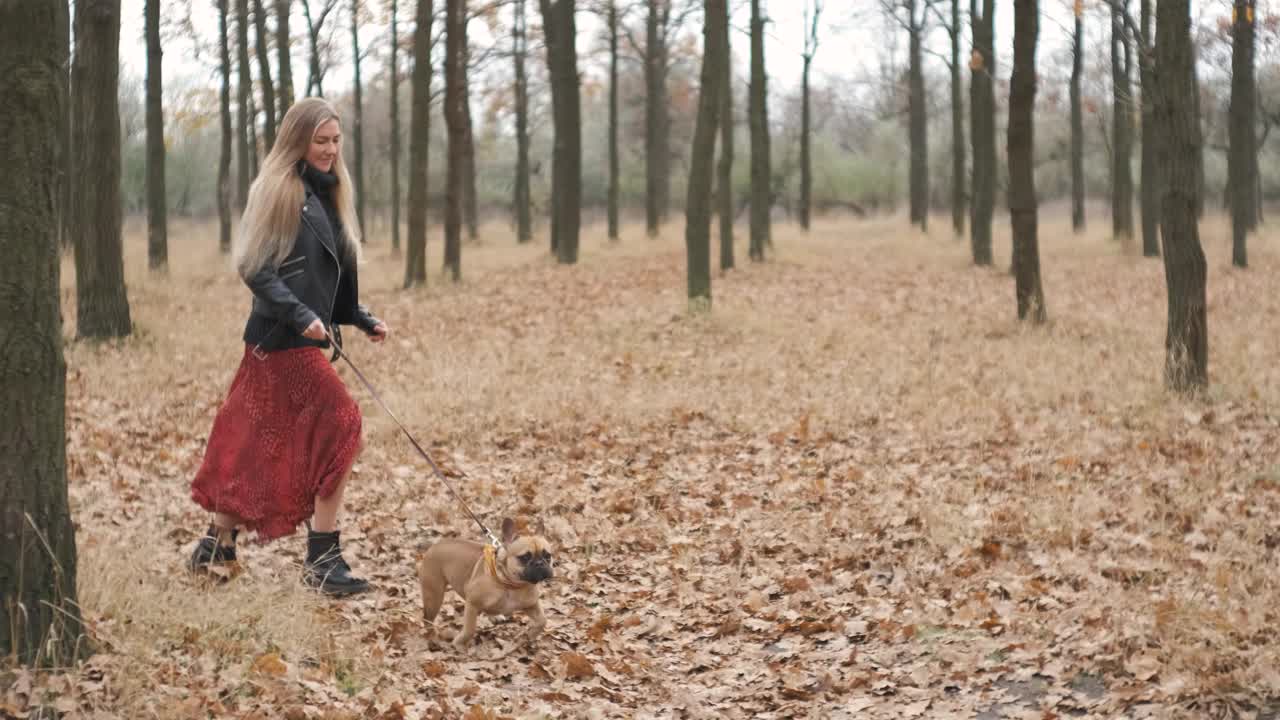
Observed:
{"x":333,"y":299}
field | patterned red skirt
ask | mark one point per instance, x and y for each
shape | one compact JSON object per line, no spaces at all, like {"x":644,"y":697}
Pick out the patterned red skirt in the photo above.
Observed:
{"x":287,"y":433}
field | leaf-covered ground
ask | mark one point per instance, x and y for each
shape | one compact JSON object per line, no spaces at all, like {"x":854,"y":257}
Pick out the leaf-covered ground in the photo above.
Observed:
{"x":856,"y":489}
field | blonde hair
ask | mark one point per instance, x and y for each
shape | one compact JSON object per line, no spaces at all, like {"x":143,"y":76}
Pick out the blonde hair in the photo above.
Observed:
{"x":269,"y":224}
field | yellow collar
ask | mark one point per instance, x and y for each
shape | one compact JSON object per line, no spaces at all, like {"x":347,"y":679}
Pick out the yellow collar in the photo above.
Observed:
{"x":491,"y":565}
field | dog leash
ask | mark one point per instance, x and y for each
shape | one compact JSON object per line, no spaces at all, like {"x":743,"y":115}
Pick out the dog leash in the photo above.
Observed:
{"x":493,"y":539}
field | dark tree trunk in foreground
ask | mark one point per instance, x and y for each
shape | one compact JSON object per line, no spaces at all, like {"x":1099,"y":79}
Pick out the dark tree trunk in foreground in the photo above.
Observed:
{"x":285,"y":64}
{"x":982,"y":109}
{"x":1187,"y":337}
{"x":1121,"y":125}
{"x":157,"y":205}
{"x":395,"y":129}
{"x":918,"y":121}
{"x":657,"y":110}
{"x":520,"y":51}
{"x":102,"y":306}
{"x":264,"y":76}
{"x":1077,"y":122}
{"x":1243,"y":157}
{"x":37,"y":537}
{"x":566,"y":173}
{"x":758,"y":117}
{"x":1021,"y":150}
{"x":244,"y":173}
{"x":455,"y":84}
{"x":224,"y":112}
{"x":698,"y":203}
{"x":959,"y":194}
{"x":724,"y":182}
{"x":614,"y":171}
{"x":415,"y":268}
{"x":1151,"y":180}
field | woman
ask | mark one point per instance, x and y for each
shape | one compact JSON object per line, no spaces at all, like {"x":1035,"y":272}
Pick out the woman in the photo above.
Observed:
{"x":286,"y":437}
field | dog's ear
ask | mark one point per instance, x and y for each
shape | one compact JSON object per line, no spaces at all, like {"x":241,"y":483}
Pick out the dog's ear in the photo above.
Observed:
{"x":508,"y":530}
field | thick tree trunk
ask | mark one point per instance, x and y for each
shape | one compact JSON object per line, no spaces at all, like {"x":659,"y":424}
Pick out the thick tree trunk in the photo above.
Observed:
{"x":1199,"y":132}
{"x":244,"y":174}
{"x":66,"y":158}
{"x":982,"y":105}
{"x":395,"y":129}
{"x":1121,"y":126}
{"x":40,"y":621}
{"x":1187,"y":336}
{"x":758,"y":116}
{"x":455,"y":91}
{"x":264,"y":77}
{"x":1151,"y":180}
{"x":1077,"y":122}
{"x":1243,"y":163}
{"x":520,"y":50}
{"x":614,"y":171}
{"x":1021,"y":150}
{"x":284,"y":63}
{"x":918,"y":121}
{"x":224,"y":155}
{"x":959,"y":195}
{"x":357,"y":134}
{"x":657,"y":117}
{"x":157,"y":205}
{"x":566,"y":175}
{"x":698,"y":203}
{"x":415,"y":270}
{"x":102,"y":306}
{"x":806,"y":163}
{"x":724,"y":183}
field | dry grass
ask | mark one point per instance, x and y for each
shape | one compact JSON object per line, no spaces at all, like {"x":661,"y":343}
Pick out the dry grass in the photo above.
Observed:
{"x":867,"y":406}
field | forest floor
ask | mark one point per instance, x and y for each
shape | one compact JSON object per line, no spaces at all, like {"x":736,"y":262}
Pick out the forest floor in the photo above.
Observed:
{"x":857,"y":488}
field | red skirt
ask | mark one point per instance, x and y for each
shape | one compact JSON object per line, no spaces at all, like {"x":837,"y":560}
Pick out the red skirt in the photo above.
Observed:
{"x":287,"y":433}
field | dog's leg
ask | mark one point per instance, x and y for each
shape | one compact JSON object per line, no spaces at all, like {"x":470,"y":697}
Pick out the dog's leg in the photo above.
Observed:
{"x":537,"y":621}
{"x":432,"y":594}
{"x":468,"y":626}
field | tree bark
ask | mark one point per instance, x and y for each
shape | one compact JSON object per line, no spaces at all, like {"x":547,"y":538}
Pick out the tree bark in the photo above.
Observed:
{"x":1187,"y":334}
{"x":315,"y":75}
{"x":157,"y":205}
{"x":724,"y":183}
{"x":102,"y":306}
{"x":244,"y":175}
{"x":1077,"y":122}
{"x":284,"y":63}
{"x":1151,"y":180}
{"x":252,"y":126}
{"x":395,"y":130}
{"x":918,"y":122}
{"x":520,"y":51}
{"x":1021,"y":150}
{"x":471,"y":197}
{"x":1243,"y":158}
{"x":698,"y":203}
{"x":264,"y":77}
{"x":812,"y":13}
{"x":1121,"y":125}
{"x":566,"y":174}
{"x":66,"y":158}
{"x":614,"y":171}
{"x":224,"y":155}
{"x":959,"y":195}
{"x":982,"y":104}
{"x":37,"y":537}
{"x":758,"y":115}
{"x":657,"y":117}
{"x":1199,"y":133}
{"x":455,"y":84}
{"x":415,"y":270}
{"x":358,"y":114}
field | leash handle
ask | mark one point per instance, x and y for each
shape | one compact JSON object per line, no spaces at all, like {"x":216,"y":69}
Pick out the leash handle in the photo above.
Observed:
{"x":493,"y":539}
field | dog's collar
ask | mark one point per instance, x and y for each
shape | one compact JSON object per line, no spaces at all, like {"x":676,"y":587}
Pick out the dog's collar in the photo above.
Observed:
{"x":499,"y":575}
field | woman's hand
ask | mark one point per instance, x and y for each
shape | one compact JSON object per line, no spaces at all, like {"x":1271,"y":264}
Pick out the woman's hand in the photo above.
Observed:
{"x":314,"y":331}
{"x":379,"y":332}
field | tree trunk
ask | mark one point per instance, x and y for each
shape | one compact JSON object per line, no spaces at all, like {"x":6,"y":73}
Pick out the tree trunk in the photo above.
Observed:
{"x":40,"y":623}
{"x":66,"y":158}
{"x":982,"y":104}
{"x":806,"y":168}
{"x":358,"y":114}
{"x":264,"y":77}
{"x":918,"y":121}
{"x":613,"y":119}
{"x":1150,"y":207}
{"x":1187,"y":336}
{"x":958,"y":193}
{"x":1243,"y":164}
{"x":758,"y":116}
{"x":566,"y":175}
{"x":415,"y":269}
{"x":252,"y":126}
{"x":724,"y":183}
{"x":471,"y":197}
{"x":1077,"y":122}
{"x":243,"y":119}
{"x":283,"y":47}
{"x":315,"y":74}
{"x":1121,"y":126}
{"x":697,"y":233}
{"x":520,"y":51}
{"x":1021,"y":151}
{"x":657,"y":117}
{"x":157,"y":205}
{"x":455,"y":90}
{"x":102,"y":306}
{"x":395,"y":130}
{"x":1199,"y":134}
{"x":224,"y":155}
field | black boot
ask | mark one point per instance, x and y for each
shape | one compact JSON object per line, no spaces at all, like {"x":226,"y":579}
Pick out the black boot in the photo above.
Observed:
{"x":325,"y":568}
{"x":214,"y":560}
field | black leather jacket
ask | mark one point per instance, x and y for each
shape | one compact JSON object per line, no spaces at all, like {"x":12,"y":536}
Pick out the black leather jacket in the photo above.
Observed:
{"x":314,"y":281}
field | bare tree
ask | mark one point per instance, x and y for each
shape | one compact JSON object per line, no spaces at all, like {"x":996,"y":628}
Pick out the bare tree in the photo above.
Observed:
{"x":1149,"y":206}
{"x":812,"y":11}
{"x":1242,"y":163}
{"x":283,"y":46}
{"x":959,"y":201}
{"x":244,"y":119}
{"x":724,"y":181}
{"x":1121,"y":123}
{"x":40,"y":622}
{"x":697,"y":233}
{"x":157,"y":205}
{"x":415,"y":271}
{"x":758,"y":117}
{"x":520,"y":53}
{"x":224,"y":155}
{"x":455,"y":94}
{"x":611,"y":18}
{"x":395,"y":130}
{"x":560,"y":28}
{"x":1077,"y":121}
{"x":315,"y":25}
{"x":358,"y":125}
{"x":264,"y":76}
{"x":982,"y":126}
{"x":1021,"y":149}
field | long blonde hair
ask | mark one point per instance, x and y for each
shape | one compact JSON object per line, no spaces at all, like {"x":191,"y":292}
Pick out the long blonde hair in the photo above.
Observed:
{"x":269,"y":225}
